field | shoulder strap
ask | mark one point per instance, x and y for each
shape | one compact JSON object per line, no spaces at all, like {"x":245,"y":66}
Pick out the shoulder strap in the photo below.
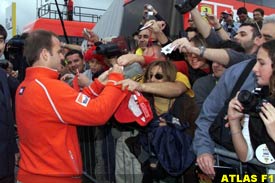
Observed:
{"x":242,"y":78}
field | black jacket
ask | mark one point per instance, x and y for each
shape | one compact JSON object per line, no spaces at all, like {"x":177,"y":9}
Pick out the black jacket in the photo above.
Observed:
{"x":7,"y":132}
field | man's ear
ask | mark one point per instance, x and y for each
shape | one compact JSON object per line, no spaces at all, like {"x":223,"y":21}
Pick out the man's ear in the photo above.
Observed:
{"x":258,"y":41}
{"x":44,"y":55}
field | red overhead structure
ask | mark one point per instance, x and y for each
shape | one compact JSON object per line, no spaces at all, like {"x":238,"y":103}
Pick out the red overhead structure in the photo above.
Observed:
{"x":73,"y":28}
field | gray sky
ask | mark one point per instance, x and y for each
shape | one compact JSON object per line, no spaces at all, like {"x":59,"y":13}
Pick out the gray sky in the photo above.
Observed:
{"x":26,"y":9}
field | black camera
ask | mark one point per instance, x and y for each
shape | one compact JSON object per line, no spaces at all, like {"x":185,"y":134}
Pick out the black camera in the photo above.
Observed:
{"x":109,"y":50}
{"x":184,"y":6}
{"x":15,"y":45}
{"x":253,"y":101}
{"x":225,"y":15}
{"x":4,"y":64}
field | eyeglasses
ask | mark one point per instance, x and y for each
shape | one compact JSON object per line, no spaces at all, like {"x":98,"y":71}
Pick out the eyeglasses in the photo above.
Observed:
{"x":158,"y":76}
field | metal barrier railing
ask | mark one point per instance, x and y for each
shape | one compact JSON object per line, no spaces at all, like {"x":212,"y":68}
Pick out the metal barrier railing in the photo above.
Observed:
{"x":90,"y":153}
{"x":234,"y":156}
{"x":99,"y":146}
{"x":83,"y":14}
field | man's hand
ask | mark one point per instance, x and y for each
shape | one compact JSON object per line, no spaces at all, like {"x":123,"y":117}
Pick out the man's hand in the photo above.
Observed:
{"x":83,"y":80}
{"x":126,"y":59}
{"x":183,"y":45}
{"x":162,"y":122}
{"x":155,"y":26}
{"x":90,"y":35}
{"x":17,"y":158}
{"x":206,"y":163}
{"x":212,"y":20}
{"x":116,"y":69}
{"x":103,"y":78}
{"x":67,"y":76}
{"x":129,"y":85}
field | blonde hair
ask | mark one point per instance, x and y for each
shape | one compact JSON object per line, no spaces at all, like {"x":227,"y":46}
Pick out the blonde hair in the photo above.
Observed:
{"x":168,"y":68}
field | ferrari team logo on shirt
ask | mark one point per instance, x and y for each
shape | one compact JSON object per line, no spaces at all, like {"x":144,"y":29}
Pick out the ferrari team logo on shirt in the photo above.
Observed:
{"x":82,"y":99}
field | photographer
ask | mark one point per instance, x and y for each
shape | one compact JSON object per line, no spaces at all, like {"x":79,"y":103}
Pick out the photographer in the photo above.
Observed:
{"x":14,"y":53}
{"x":254,"y":131}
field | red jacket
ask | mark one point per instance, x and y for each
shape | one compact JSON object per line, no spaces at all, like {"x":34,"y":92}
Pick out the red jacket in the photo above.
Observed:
{"x":47,"y":111}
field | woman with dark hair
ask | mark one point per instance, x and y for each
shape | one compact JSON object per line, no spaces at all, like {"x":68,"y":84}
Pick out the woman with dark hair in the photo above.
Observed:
{"x":252,"y":124}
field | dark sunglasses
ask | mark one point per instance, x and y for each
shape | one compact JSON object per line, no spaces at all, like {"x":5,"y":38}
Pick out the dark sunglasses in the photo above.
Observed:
{"x":158,"y":76}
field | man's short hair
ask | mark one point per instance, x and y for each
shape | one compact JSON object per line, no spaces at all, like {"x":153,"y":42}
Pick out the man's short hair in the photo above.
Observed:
{"x":242,"y":10}
{"x":260,"y":10}
{"x":255,"y":28}
{"x":3,"y":32}
{"x":72,"y":52}
{"x":36,"y":42}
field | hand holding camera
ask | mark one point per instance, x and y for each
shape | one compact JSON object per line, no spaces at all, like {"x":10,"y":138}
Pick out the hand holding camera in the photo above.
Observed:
{"x":88,"y":34}
{"x":235,"y":110}
{"x":212,"y":20}
{"x":149,"y":11}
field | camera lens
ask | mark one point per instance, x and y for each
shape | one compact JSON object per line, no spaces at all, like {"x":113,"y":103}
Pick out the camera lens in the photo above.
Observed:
{"x":245,"y":97}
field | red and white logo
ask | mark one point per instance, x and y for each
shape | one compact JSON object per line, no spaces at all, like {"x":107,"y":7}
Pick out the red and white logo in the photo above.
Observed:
{"x":82,"y":99}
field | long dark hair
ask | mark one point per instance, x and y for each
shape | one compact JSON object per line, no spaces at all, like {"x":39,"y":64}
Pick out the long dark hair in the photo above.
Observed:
{"x":270,"y":48}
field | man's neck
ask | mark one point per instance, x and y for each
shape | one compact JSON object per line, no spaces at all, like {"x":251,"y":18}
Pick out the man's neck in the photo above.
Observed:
{"x":252,"y":51}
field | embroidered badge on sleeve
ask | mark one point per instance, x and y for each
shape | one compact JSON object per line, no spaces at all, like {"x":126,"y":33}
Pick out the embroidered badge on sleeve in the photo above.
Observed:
{"x":82,"y":99}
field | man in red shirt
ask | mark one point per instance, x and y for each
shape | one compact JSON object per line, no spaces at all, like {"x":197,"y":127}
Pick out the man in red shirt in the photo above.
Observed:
{"x":48,"y":110}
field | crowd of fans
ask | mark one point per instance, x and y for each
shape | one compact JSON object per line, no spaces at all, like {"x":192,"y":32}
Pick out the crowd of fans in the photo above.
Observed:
{"x":67,"y":85}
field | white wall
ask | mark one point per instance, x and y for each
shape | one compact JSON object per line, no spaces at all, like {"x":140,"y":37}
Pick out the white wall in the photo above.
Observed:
{"x":26,"y":9}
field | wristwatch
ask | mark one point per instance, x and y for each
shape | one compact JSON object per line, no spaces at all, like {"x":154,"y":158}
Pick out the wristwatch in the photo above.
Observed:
{"x":202,"y":50}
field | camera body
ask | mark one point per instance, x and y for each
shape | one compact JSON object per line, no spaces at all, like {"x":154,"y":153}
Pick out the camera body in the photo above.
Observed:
{"x":4,"y":64}
{"x":109,"y":50}
{"x":225,"y":16}
{"x":15,"y":44}
{"x":252,"y":101}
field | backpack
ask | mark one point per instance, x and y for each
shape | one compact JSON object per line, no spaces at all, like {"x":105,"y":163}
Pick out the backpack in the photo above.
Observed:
{"x":169,"y":147}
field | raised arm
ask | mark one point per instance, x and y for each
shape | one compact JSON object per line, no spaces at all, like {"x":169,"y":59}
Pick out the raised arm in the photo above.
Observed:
{"x":218,"y":55}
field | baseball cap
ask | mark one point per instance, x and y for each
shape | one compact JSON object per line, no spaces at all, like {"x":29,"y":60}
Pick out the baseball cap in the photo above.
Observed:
{"x":135,"y":107}
{"x":228,"y":11}
{"x":90,"y":54}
